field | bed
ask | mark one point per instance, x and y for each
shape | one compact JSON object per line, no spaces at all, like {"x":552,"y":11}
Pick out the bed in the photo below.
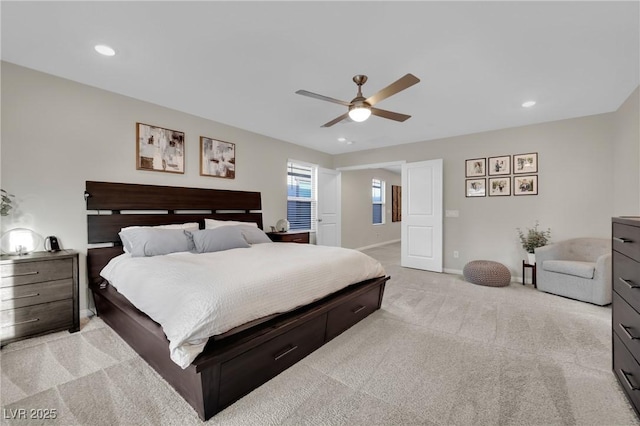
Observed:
{"x":234,"y":362}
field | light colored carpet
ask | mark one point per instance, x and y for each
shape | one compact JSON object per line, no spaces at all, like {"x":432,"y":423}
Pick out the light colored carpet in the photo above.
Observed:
{"x":440,"y":351}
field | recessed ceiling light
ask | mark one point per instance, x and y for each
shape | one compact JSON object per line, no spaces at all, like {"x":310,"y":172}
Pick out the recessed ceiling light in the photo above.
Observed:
{"x":104,"y":50}
{"x":341,"y":139}
{"x":350,"y":142}
{"x":528,"y":104}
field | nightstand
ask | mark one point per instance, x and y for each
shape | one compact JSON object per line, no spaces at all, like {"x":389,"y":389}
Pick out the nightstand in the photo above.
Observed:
{"x":38,"y":294}
{"x":301,"y":237}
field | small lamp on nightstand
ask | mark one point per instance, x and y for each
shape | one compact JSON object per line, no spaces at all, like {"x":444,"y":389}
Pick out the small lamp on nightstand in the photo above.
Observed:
{"x":19,"y":241}
{"x":282,"y":225}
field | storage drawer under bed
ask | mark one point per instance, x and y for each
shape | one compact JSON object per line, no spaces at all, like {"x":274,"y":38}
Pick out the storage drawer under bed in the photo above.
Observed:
{"x":245,"y":372}
{"x":350,"y":312}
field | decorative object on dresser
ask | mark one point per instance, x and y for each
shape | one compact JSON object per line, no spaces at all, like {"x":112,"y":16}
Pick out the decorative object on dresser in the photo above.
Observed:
{"x":578,"y":268}
{"x":235,"y":362}
{"x":301,"y":237}
{"x":39,"y":294}
{"x":626,"y":306}
{"x":158,"y":149}
{"x":217,"y":158}
{"x":20,"y":241}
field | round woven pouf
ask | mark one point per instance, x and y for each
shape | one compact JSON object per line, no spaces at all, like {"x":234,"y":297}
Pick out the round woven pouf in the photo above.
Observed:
{"x":487,"y":272}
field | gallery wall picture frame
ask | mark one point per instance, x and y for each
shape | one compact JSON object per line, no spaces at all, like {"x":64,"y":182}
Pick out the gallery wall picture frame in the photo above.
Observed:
{"x":500,"y":186}
{"x":525,"y":163}
{"x":217,"y":158}
{"x":476,"y":187}
{"x":476,"y":167}
{"x":159,"y":149}
{"x":499,"y":166}
{"x":525,"y":185}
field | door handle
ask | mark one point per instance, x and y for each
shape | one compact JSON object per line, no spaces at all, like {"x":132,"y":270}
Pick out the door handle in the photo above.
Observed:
{"x":319,"y":220}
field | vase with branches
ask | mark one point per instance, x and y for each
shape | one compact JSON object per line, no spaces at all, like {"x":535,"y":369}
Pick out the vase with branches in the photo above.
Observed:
{"x":7,"y":203}
{"x":533,"y":238}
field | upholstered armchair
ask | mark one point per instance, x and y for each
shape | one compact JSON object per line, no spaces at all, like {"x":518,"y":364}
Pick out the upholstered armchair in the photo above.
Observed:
{"x":578,"y":268}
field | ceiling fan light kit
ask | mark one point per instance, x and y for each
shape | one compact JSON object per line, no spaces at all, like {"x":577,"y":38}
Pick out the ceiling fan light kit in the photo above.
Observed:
{"x":361,"y":108}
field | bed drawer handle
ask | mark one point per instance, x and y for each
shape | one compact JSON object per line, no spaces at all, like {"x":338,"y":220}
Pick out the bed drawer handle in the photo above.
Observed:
{"x":22,"y":297}
{"x":24,"y":274}
{"x":21,"y":322}
{"x":622,"y":240}
{"x":286,"y":352}
{"x":358,"y":309}
{"x":626,"y":379}
{"x":629,"y":283}
{"x":626,"y":332}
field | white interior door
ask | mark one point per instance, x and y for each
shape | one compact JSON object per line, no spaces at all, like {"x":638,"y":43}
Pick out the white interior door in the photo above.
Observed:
{"x":421,"y":229}
{"x":328,"y":232}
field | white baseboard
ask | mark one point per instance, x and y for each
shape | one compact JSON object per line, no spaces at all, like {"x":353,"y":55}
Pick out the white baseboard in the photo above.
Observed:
{"x":378,"y":245}
{"x":453,"y":271}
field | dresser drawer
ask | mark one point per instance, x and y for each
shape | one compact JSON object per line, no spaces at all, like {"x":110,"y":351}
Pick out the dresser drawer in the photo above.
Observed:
{"x":245,"y":372}
{"x":626,"y":276}
{"x":627,"y":370}
{"x":626,"y":240}
{"x":350,"y":312}
{"x":626,"y":324}
{"x":30,"y":320}
{"x":33,"y":294}
{"x":20,"y":273}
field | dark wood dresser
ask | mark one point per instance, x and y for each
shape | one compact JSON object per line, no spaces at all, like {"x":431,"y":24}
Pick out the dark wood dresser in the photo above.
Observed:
{"x":301,"y":237}
{"x":38,"y":294}
{"x":626,"y":305}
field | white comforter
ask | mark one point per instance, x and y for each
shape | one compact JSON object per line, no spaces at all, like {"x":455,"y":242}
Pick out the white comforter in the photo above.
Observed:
{"x":196,"y":296}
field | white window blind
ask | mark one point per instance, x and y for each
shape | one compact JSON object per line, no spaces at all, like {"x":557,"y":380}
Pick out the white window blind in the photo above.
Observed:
{"x":301,"y":196}
{"x":377,"y":198}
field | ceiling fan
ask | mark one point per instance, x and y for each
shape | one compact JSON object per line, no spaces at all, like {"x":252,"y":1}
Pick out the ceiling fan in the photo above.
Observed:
{"x":360,"y":108}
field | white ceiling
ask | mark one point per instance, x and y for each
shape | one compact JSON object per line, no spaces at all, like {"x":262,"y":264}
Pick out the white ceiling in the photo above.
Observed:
{"x":240,"y":63}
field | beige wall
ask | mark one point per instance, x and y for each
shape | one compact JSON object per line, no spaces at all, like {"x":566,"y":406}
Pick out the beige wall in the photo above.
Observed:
{"x":357,"y":215}
{"x":626,"y":157}
{"x":57,"y":134}
{"x":575,"y":180}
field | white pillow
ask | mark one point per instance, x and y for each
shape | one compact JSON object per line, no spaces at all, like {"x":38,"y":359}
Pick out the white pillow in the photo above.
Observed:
{"x":189,"y":226}
{"x":213,"y":224}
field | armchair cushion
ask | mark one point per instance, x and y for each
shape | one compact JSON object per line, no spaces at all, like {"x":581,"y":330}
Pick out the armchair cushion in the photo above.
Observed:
{"x":570,"y":267}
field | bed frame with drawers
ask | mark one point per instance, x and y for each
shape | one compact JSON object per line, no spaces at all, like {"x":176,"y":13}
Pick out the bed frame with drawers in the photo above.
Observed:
{"x":240,"y":360}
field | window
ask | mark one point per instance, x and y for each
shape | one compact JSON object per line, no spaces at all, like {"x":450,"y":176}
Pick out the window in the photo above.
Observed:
{"x":301,"y":196}
{"x":377,"y":197}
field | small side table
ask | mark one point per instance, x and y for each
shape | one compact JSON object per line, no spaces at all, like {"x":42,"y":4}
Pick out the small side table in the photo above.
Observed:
{"x":526,"y":266}
{"x":300,"y":237}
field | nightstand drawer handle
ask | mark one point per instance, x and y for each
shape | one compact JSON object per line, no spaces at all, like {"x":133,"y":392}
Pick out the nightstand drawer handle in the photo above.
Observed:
{"x":24,"y":274}
{"x":22,"y":297}
{"x":358,"y":309}
{"x":622,"y":240}
{"x":287,"y":352}
{"x":626,"y":332}
{"x":626,"y":379}
{"x":21,"y":322}
{"x":629,"y":283}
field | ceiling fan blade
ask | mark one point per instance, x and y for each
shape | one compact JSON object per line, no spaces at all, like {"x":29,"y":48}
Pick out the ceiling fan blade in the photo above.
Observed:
{"x":336,"y":120}
{"x":322,"y":98}
{"x":395,"y":87}
{"x":389,"y":114}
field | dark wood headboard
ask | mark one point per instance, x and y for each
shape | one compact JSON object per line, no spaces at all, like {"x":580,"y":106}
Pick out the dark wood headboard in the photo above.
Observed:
{"x":112,"y":206}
